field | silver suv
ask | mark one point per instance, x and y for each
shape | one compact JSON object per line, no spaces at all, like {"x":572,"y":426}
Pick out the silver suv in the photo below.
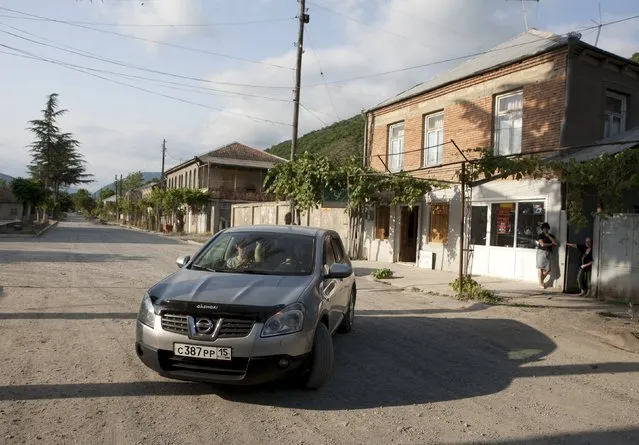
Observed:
{"x":254,"y":304}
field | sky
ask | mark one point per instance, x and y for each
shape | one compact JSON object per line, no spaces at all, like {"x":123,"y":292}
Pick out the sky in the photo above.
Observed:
{"x":204,"y":73}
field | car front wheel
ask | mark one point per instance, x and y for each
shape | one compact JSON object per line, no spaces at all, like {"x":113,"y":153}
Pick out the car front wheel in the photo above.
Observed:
{"x":322,"y":358}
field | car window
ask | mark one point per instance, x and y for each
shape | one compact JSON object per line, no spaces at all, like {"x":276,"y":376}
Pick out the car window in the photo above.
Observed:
{"x":329,"y":254}
{"x":261,"y":253}
{"x":338,"y":250}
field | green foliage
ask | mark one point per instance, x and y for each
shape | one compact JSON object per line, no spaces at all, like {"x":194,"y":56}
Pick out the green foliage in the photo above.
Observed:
{"x":472,"y":290}
{"x":83,"y":202}
{"x":382,"y":274}
{"x":56,"y":162}
{"x":611,"y":176}
{"x":28,"y":191}
{"x":104,"y":194}
{"x":196,"y":200}
{"x":340,"y":140}
{"x":305,"y":180}
{"x":132,"y":181}
{"x":635,"y":57}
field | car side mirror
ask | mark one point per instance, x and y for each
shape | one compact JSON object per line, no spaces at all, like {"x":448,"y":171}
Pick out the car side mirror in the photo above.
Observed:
{"x":182,"y":261}
{"x":338,"y":270}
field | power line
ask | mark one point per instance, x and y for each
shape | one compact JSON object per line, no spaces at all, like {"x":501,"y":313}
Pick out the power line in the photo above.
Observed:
{"x":328,"y":90}
{"x":466,"y":56}
{"x":175,"y":85}
{"x":143,"y":39}
{"x":154,"y":25}
{"x":370,"y":25}
{"x":178,"y":99}
{"x":130,"y":66}
{"x":314,"y":115}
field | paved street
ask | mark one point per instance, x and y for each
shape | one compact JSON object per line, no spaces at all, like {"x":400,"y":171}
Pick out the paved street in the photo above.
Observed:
{"x":417,"y":369}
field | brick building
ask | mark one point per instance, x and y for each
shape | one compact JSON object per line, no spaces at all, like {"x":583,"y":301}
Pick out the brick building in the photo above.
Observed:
{"x":538,"y":91}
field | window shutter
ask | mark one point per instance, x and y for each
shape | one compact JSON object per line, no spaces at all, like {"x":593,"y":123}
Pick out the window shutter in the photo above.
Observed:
{"x":439,"y":223}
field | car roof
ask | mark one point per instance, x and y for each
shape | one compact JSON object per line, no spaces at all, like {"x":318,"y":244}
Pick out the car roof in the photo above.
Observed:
{"x":290,"y":229}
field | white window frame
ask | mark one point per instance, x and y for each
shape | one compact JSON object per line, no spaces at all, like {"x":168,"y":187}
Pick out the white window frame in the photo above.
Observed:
{"x":440,"y":140}
{"x":498,"y":114}
{"x":608,"y":117}
{"x":395,"y":161}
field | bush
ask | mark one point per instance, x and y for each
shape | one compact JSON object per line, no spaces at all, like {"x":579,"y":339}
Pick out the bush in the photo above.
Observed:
{"x":382,"y":274}
{"x":472,"y":290}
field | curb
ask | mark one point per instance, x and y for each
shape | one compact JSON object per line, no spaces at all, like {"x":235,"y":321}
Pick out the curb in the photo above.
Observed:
{"x":46,"y":229}
{"x":161,"y":235}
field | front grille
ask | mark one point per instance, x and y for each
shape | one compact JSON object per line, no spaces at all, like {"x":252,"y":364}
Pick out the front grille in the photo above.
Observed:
{"x":234,"y":367}
{"x":175,"y":323}
{"x":231,"y":327}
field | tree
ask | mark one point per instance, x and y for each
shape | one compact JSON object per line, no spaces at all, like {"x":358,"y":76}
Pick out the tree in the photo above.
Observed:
{"x":635,"y":57}
{"x":28,"y":192}
{"x":83,"y":202}
{"x":305,"y":181}
{"x":132,"y":181}
{"x":56,"y":162}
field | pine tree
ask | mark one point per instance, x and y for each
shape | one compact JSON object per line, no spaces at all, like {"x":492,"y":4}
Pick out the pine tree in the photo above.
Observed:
{"x":56,"y":162}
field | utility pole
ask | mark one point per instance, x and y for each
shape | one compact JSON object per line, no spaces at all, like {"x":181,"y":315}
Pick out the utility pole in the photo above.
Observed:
{"x":121,"y":192}
{"x":117,"y":212}
{"x":162,"y":181}
{"x":303,"y":19}
{"x":462,"y":228}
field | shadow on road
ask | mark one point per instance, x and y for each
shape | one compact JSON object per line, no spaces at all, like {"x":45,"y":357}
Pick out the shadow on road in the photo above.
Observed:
{"x":61,"y":256}
{"x":385,"y":361}
{"x":68,"y":315}
{"x":623,"y":436}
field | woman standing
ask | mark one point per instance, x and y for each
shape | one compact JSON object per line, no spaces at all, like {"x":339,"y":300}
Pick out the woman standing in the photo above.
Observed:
{"x":545,"y":243}
{"x":585,"y":267}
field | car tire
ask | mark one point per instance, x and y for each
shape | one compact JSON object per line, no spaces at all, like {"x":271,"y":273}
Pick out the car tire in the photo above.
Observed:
{"x":349,"y":317}
{"x":322,"y":358}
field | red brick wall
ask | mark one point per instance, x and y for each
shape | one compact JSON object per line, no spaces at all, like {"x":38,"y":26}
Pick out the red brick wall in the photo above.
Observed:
{"x":470,"y":122}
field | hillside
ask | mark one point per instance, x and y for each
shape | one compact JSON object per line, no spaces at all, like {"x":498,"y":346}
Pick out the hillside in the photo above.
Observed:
{"x":340,"y":140}
{"x":6,"y":178}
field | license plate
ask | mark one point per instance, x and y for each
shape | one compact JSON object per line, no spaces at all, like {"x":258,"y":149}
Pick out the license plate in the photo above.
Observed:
{"x":206,"y":352}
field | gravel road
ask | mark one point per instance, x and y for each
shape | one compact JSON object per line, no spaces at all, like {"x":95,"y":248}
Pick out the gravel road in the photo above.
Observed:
{"x":416,"y":369}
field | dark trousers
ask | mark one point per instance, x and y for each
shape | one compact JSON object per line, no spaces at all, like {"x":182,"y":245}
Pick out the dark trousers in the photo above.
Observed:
{"x":583,"y":280}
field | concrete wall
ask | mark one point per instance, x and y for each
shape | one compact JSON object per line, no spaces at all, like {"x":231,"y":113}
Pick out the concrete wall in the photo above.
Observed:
{"x":331,"y":216}
{"x":615,"y":272}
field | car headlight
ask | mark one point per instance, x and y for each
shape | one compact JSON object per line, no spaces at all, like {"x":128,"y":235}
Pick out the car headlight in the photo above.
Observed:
{"x":288,"y":320}
{"x":146,"y":314}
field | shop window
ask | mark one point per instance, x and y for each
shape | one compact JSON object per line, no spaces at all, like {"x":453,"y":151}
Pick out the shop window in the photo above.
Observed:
{"x":438,"y":223}
{"x":530,"y":215}
{"x":512,"y":223}
{"x":502,"y":225}
{"x":479,"y":225}
{"x":382,"y":222}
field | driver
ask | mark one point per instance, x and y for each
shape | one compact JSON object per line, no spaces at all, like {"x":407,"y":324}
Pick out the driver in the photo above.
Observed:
{"x":243,"y":258}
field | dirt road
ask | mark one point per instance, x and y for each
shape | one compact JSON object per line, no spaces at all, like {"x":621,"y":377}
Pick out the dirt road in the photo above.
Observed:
{"x":415,"y":370}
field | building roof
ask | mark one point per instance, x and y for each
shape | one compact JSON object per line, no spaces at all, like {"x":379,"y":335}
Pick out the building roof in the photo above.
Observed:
{"x":234,"y":154}
{"x":609,"y":146}
{"x":525,"y":45}
{"x":7,"y":196}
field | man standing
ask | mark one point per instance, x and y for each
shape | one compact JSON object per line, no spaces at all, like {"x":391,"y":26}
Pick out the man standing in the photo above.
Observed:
{"x":545,"y":243}
{"x":585,"y":267}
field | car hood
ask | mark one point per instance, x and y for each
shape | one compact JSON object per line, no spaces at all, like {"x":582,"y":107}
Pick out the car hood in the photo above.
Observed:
{"x":193,"y":286}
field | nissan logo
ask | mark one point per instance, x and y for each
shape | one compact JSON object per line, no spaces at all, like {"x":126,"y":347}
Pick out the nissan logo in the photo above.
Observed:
{"x":204,"y":326}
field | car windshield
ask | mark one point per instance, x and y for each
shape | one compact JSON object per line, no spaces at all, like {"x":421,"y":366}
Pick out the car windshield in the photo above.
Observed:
{"x":258,"y":253}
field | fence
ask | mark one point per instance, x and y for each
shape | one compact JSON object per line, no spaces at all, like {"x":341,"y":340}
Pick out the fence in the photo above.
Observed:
{"x":616,"y":264}
{"x":332,"y":217}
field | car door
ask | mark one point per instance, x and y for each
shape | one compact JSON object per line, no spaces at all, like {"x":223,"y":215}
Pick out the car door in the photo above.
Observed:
{"x":331,"y":287}
{"x":344,"y":284}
